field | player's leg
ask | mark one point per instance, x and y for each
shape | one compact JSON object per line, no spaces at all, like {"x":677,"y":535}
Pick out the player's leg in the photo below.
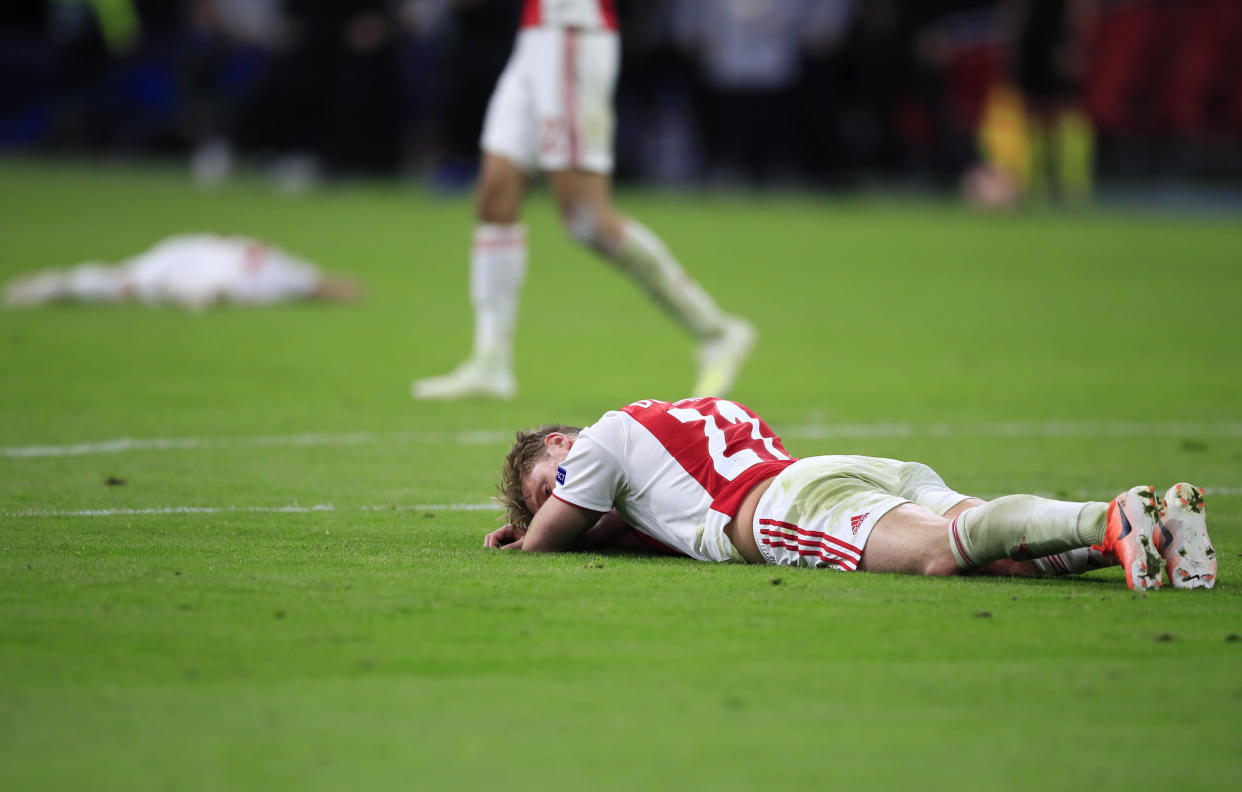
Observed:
{"x":89,"y":282}
{"x":38,"y":288}
{"x":497,"y":271}
{"x":924,"y":486}
{"x":1069,"y":562}
{"x":1025,"y":527}
{"x":974,"y":536}
{"x":590,"y":218}
{"x":574,"y":97}
{"x":498,"y":250}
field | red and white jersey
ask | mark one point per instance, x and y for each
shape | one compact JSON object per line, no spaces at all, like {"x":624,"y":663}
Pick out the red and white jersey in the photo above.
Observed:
{"x":675,"y":471}
{"x":584,"y":14}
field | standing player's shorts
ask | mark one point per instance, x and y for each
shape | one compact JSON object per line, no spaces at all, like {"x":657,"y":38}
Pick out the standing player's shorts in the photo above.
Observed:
{"x":819,"y":511}
{"x":552,"y":108}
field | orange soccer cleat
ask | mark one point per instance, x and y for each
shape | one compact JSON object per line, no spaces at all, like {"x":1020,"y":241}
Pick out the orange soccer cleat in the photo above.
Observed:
{"x":1128,"y":536}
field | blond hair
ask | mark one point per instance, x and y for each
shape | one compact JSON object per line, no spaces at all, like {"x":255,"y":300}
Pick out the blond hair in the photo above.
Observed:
{"x":528,"y":449}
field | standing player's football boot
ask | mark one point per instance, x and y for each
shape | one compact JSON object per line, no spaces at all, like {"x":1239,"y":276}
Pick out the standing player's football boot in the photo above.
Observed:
{"x":1128,"y":536}
{"x":720,"y":359}
{"x":1182,"y":538}
{"x":471,"y":379}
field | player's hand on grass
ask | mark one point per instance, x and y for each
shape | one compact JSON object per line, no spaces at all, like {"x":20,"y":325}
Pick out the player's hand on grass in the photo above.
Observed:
{"x":509,"y":537}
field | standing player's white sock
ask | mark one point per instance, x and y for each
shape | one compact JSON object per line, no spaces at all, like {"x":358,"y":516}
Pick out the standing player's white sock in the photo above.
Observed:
{"x":649,"y":262}
{"x":1023,"y":527}
{"x":497,"y":270}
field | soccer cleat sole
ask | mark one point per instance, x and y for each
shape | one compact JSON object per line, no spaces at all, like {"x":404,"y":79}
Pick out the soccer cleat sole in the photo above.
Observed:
{"x":1182,"y":538}
{"x":1129,"y":537}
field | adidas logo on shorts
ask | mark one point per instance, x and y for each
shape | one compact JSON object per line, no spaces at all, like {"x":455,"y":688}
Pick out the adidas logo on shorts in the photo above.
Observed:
{"x":857,"y":521}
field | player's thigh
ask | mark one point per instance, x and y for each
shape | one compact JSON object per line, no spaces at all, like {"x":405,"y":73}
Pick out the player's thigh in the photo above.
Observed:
{"x":924,"y":486}
{"x":909,"y":539}
{"x":510,"y":125}
{"x":573,"y":76}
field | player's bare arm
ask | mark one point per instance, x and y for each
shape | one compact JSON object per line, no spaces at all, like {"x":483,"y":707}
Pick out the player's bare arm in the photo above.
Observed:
{"x":610,"y":533}
{"x":556,"y":526}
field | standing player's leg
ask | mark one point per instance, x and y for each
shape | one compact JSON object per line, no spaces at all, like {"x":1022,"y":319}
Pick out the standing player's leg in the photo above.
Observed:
{"x":589,"y":217}
{"x":497,"y":270}
{"x":498,"y":253}
{"x":573,"y":93}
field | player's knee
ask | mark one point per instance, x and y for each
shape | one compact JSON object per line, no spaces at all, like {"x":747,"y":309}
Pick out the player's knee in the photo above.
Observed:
{"x":940,"y":564}
{"x":497,"y":202}
{"x":582,"y":223}
{"x":937,"y":557}
{"x":597,"y":228}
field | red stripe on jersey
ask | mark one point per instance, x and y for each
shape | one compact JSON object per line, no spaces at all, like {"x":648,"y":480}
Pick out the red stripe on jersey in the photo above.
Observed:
{"x":532,"y":13}
{"x":730,"y":500}
{"x":688,"y":443}
{"x":499,"y":243}
{"x":818,"y":534}
{"x":656,"y":543}
{"x":571,"y":94}
{"x":608,"y":11}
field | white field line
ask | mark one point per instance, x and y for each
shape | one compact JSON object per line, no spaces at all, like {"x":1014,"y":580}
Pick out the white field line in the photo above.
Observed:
{"x":167,"y":510}
{"x":1101,"y":429}
{"x":122,"y":444}
{"x":328,"y":507}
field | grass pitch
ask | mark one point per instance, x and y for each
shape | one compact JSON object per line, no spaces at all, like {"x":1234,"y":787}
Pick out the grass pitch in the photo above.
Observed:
{"x":283,"y":585}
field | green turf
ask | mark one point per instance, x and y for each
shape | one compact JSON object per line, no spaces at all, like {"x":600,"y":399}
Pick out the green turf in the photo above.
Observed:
{"x":376,"y":646}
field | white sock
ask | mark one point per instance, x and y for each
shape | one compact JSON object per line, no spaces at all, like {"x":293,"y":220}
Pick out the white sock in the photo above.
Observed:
{"x":650,"y":263}
{"x":497,"y":270}
{"x":1071,"y":562}
{"x":1023,"y":527}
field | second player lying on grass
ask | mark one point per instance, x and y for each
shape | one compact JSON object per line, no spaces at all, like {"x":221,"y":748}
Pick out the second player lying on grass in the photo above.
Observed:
{"x":709,"y":479}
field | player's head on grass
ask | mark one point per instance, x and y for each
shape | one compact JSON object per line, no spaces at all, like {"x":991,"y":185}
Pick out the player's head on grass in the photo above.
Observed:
{"x":529,"y":473}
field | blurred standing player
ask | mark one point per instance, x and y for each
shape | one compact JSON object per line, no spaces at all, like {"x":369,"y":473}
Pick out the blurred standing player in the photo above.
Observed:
{"x":551,"y":111}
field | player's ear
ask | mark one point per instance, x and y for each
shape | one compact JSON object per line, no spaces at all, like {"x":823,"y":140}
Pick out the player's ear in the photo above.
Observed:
{"x":558,"y":440}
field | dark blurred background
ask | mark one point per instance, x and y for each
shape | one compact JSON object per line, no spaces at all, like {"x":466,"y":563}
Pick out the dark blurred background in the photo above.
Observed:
{"x":1008,"y":100}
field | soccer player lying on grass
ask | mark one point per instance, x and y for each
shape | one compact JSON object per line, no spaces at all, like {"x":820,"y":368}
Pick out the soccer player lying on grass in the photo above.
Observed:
{"x":709,"y":479}
{"x":192,"y":271}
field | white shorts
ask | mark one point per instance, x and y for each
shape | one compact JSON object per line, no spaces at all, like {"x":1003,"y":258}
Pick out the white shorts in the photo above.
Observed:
{"x":820,"y":510}
{"x":552,"y":107}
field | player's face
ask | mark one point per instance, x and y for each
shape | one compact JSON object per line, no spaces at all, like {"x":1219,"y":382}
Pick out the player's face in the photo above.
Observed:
{"x":537,"y":485}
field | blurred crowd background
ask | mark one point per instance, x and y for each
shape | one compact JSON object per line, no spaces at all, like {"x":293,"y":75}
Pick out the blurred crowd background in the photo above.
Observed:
{"x":1009,"y":98}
